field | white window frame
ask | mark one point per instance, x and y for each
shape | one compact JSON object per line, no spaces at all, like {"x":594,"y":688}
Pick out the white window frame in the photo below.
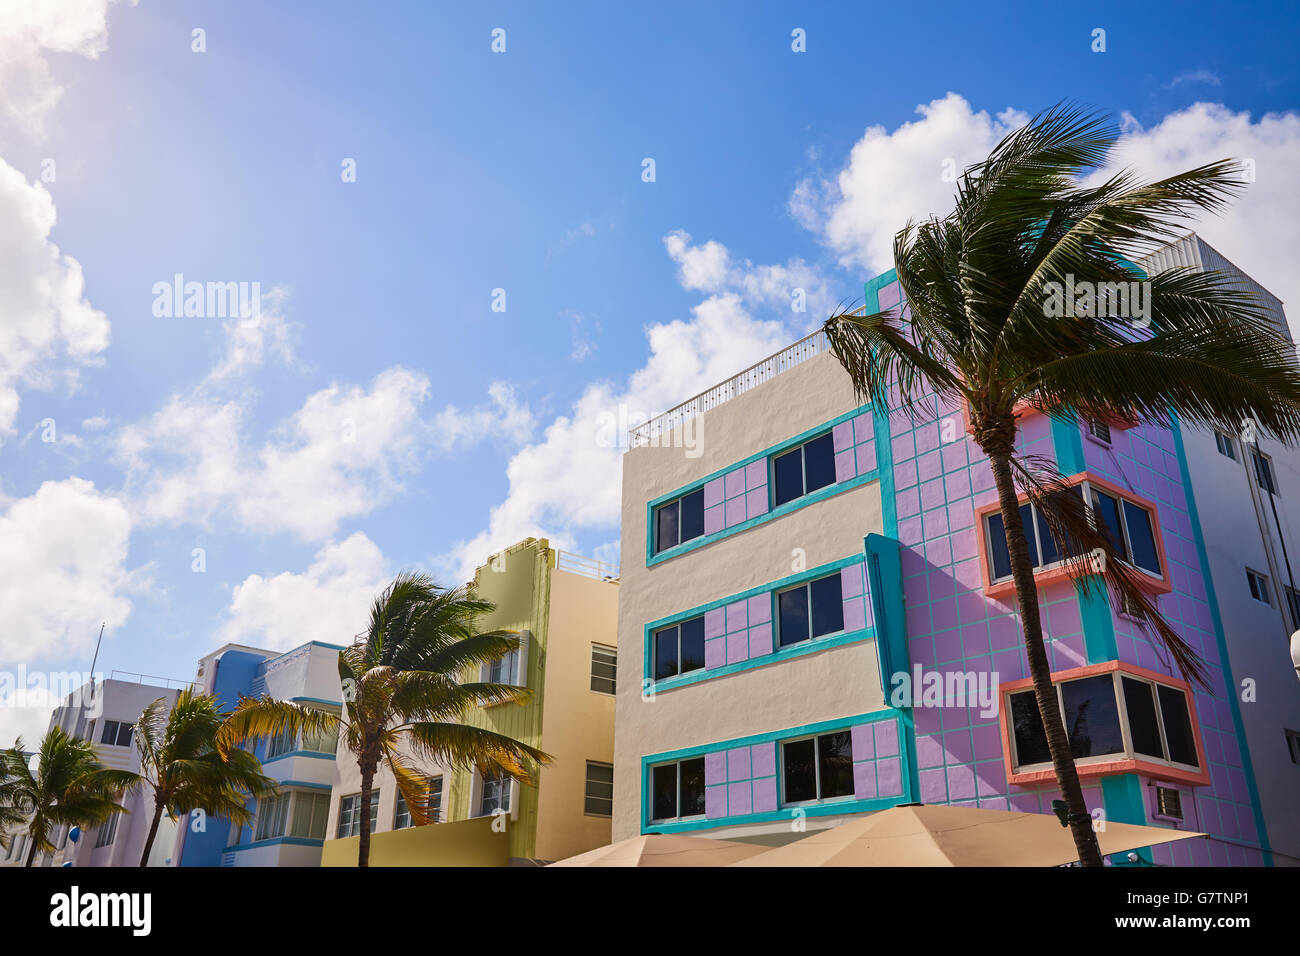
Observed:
{"x":354,"y":824}
{"x":106,"y":834}
{"x":1087,"y":488}
{"x":803,"y":470}
{"x":1126,"y":732}
{"x":809,"y":638}
{"x":1258,"y":583}
{"x":518,"y":663}
{"x":1226,"y":445}
{"x":1262,"y":462}
{"x":478,"y":785}
{"x":119,"y":726}
{"x":678,"y":797}
{"x":819,"y":800}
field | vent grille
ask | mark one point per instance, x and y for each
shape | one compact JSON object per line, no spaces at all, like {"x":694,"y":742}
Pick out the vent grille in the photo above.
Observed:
{"x":1169,"y":803}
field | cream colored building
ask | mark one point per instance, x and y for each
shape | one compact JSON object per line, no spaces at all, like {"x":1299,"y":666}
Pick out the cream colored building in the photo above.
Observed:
{"x":565,"y":609}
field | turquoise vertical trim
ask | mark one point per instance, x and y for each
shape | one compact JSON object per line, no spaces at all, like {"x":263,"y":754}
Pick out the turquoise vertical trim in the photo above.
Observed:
{"x":1122,"y":797}
{"x":885,"y":579}
{"x":1068,"y":445}
{"x":1222,"y":642}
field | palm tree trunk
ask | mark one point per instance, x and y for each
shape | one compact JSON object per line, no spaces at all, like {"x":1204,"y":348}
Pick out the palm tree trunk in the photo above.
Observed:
{"x":363,"y":848}
{"x":1022,"y":573}
{"x":31,"y":854}
{"x":153,"y":832}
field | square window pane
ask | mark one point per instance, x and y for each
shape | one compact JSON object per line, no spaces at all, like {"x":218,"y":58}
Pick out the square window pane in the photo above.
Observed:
{"x":819,"y":462}
{"x":1142,"y":540}
{"x":1140,"y":701}
{"x":835,"y":764}
{"x":1092,"y":716}
{"x":827,"y":606}
{"x":666,"y":653}
{"x":666,"y":531}
{"x":1027,"y":521}
{"x":693,"y":787}
{"x":800,"y":777}
{"x":692,"y":653}
{"x":1178,"y":726}
{"x":663,"y":784}
{"x":692,"y":515}
{"x":1051,"y":553}
{"x":792,"y":608}
{"x":788,"y":472}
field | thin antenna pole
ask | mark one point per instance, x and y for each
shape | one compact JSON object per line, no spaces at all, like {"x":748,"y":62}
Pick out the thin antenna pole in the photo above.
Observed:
{"x":95,"y":659}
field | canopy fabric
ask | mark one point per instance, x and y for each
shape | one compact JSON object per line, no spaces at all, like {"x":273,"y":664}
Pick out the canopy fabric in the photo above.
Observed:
{"x":657,"y":849}
{"x":941,"y":835}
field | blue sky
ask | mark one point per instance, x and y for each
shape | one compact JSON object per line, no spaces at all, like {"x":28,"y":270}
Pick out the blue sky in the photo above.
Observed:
{"x":477,"y":171}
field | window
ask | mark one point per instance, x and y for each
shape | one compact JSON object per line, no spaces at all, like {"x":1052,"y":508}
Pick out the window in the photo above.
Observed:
{"x":310,"y":813}
{"x":599,"y":799}
{"x":402,"y":816}
{"x":272,"y":815}
{"x":504,"y":670}
{"x":107,"y":832}
{"x":435,"y":799}
{"x":1128,"y":525}
{"x":1129,"y":608}
{"x":677,"y":790}
{"x":350,"y":814}
{"x":1293,"y":745}
{"x":1293,"y":605}
{"x":116,"y":733}
{"x":810,"y":610}
{"x":817,"y":768}
{"x":1114,"y":715}
{"x":282,"y":743}
{"x":1169,"y":803}
{"x":604,"y":668}
{"x":1258,"y":584}
{"x":679,"y":649}
{"x":495,"y":795}
{"x":1099,"y":431}
{"x":679,"y":521}
{"x":1265,"y":477}
{"x":805,"y":469}
{"x":1227,"y":447}
{"x":323,"y":742}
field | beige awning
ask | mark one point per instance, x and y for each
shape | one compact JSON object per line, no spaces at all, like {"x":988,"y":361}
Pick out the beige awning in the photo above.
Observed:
{"x":664,"y":850}
{"x":940,"y":835}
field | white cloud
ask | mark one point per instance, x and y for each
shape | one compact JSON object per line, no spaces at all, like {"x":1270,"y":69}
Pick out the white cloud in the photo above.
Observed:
{"x":250,"y":342}
{"x":63,"y":554}
{"x":893,"y":177}
{"x":1261,"y":229}
{"x":570,"y":480}
{"x":328,"y":602}
{"x":49,"y":330}
{"x":29,"y":31}
{"x":344,"y":452}
{"x":506,"y":418}
{"x":25,"y":712}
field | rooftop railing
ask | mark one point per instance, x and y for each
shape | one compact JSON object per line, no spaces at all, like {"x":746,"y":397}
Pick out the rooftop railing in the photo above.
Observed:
{"x":131,"y":677}
{"x":588,"y":567}
{"x":649,"y":433}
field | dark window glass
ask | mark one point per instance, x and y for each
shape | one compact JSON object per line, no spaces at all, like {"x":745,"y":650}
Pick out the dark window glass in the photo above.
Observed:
{"x":1139,"y":699}
{"x":1141,"y":539}
{"x":109,"y":736}
{"x":666,"y":531}
{"x":599,"y":796}
{"x":692,"y":787}
{"x":827,"y":606}
{"x":998,"y":552}
{"x":819,"y":462}
{"x":124,"y":732}
{"x":800,"y":770}
{"x":1092,"y":717}
{"x":997,"y":539}
{"x":835,"y":762}
{"x":692,"y":515}
{"x":692,"y":654}
{"x":1178,"y":726}
{"x":1051,"y":553}
{"x":604,"y":669}
{"x":1107,"y":509}
{"x":792,"y":607}
{"x":788,"y":471}
{"x":664,"y":785}
{"x":1264,"y":472}
{"x":666,"y":653}
{"x":1027,"y":724}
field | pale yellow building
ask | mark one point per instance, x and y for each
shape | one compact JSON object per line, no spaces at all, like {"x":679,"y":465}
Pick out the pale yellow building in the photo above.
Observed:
{"x":566,"y":610}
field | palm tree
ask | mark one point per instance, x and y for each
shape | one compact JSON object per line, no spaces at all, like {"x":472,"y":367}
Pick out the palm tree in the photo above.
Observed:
{"x":402,"y":688}
{"x":180,"y":763}
{"x":977,"y":284}
{"x":69,"y":787}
